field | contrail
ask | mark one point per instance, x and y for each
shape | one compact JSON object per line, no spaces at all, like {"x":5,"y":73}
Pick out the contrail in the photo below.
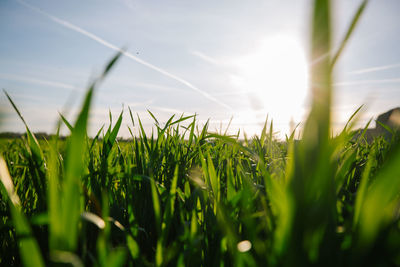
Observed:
{"x":204,"y":57}
{"x":96,"y":38}
{"x":367,"y":82}
{"x":373,"y":69}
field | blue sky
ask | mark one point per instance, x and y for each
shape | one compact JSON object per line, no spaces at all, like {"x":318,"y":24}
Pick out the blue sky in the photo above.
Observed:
{"x":203,"y":57}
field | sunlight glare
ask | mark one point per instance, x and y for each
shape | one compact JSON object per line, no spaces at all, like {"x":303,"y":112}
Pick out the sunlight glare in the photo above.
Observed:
{"x":275,"y":75}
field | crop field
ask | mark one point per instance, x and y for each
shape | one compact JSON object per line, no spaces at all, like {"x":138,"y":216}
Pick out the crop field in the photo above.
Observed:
{"x":186,"y":196}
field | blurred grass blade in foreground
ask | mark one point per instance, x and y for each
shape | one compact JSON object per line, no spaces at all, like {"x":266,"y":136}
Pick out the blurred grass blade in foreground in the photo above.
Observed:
{"x":29,"y":249}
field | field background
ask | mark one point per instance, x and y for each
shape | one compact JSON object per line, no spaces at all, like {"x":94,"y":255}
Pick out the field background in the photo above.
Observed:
{"x":186,"y":196}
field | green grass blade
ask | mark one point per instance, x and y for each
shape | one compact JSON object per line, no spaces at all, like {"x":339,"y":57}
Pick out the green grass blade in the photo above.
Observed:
{"x":32,"y":141}
{"x":116,"y":258}
{"x":386,"y":127}
{"x":74,"y":168}
{"x":363,"y":187}
{"x":350,"y":31}
{"x":115,"y":130}
{"x":66,"y":122}
{"x":312,"y":216}
{"x":130,"y":114}
{"x":378,"y":208}
{"x":154,"y":118}
{"x":350,"y":120}
{"x":158,"y":222}
{"x":54,"y":195}
{"x":96,"y":138}
{"x":213,"y":177}
{"x":111,"y":63}
{"x":15,"y":108}
{"x":28,"y":246}
{"x":181,"y":119}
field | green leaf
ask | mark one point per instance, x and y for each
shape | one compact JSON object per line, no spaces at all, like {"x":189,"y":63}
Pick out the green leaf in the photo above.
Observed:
{"x":28,"y":247}
{"x":133,"y":247}
{"x":350,"y":31}
{"x":66,"y":122}
{"x":32,"y":141}
{"x":116,"y":258}
{"x":380,"y":202}
{"x":113,"y":135}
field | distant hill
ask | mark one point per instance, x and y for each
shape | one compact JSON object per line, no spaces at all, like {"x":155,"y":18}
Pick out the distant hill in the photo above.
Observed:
{"x":389,"y":120}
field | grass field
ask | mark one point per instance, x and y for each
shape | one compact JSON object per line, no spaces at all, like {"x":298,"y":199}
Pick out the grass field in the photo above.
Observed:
{"x":188,"y":197}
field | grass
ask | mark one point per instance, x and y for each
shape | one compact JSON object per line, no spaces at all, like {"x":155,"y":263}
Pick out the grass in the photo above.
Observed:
{"x":188,"y":197}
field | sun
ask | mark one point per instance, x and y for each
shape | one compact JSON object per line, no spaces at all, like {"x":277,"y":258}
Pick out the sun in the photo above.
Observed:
{"x":275,"y":75}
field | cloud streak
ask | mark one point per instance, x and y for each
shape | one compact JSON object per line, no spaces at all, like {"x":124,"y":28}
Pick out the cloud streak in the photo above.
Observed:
{"x":105,"y":43}
{"x":374,"y":69}
{"x":367,"y":82}
{"x":25,"y":79}
{"x":204,"y":57}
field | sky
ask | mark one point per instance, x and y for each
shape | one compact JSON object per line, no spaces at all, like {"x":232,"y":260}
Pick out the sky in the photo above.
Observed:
{"x":237,"y":61}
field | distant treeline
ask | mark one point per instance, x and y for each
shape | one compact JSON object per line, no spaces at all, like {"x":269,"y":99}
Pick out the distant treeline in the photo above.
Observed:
{"x":387,"y":124}
{"x":39,"y":135}
{"x":43,"y":136}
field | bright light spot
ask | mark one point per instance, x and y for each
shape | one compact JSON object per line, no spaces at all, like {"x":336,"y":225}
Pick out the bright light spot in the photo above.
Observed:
{"x":244,"y":246}
{"x":91,"y":217}
{"x":275,"y":75}
{"x":394,"y":118}
{"x":5,"y":178}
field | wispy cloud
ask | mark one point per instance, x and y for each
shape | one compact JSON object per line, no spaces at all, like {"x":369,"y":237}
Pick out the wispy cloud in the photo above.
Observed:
{"x":130,"y":4}
{"x":124,"y":81}
{"x":105,"y":43}
{"x":374,"y":69}
{"x":157,"y":87}
{"x":235,"y":93}
{"x":13,"y":77}
{"x":204,"y":57}
{"x":26,"y":97}
{"x":138,"y":104}
{"x":169,"y":110}
{"x":367,"y":82}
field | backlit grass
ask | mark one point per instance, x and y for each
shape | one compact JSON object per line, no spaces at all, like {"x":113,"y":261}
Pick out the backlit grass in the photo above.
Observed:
{"x":188,"y":197}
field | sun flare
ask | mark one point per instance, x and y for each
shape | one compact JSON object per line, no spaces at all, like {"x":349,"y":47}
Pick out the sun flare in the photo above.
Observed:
{"x":275,"y":76}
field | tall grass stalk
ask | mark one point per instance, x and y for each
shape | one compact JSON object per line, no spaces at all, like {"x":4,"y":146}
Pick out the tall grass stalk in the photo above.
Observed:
{"x":184,"y":196}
